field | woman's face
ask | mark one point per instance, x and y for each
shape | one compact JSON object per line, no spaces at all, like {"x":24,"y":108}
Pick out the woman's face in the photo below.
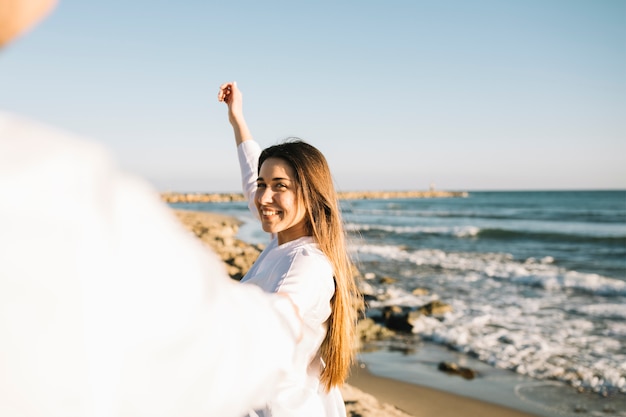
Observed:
{"x":280,"y":207}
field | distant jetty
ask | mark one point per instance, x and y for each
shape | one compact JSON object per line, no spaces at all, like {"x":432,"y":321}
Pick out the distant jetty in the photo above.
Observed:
{"x":171,"y":197}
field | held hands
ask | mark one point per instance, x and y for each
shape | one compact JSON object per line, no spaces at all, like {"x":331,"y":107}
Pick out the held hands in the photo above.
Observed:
{"x":231,"y":95}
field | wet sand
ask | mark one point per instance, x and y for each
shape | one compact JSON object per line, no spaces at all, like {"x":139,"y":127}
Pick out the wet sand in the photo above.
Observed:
{"x":420,"y":401}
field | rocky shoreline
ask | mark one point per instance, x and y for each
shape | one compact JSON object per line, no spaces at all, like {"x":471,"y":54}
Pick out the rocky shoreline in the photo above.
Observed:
{"x":173,"y":197}
{"x":219,"y":233}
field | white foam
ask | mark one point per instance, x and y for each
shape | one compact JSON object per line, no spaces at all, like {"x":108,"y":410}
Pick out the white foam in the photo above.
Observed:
{"x":498,"y":265}
{"x":425,"y":324}
{"x":616,"y":330}
{"x":550,"y":335}
{"x":613,"y":311}
{"x":397,"y":296}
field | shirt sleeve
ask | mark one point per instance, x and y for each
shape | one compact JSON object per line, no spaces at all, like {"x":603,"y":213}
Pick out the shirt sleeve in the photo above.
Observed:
{"x":248,"y":153}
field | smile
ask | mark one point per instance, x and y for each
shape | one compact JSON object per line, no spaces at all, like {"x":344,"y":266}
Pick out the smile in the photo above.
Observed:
{"x":266,"y":212}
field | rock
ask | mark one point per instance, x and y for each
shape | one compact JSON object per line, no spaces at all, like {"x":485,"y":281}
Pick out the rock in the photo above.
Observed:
{"x":387,"y":280}
{"x":435,"y":308}
{"x":218,"y":232}
{"x":413,"y":315}
{"x":401,"y":318}
{"x":453,"y":368}
{"x":367,"y":330}
{"x":420,"y":291}
{"x":396,"y":318}
{"x":388,"y":311}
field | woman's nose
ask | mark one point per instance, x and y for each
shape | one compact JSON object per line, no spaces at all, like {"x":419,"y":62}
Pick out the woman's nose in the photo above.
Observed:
{"x":264,"y":195}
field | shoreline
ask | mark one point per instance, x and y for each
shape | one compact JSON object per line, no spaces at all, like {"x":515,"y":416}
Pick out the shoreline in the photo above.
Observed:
{"x":365,"y":394}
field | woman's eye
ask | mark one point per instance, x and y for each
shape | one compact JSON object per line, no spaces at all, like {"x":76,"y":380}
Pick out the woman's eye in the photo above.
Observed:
{"x":281,"y":186}
{"x":260,"y":185}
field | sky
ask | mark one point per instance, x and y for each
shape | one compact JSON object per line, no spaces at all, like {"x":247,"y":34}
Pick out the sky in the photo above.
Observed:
{"x":399,"y":95}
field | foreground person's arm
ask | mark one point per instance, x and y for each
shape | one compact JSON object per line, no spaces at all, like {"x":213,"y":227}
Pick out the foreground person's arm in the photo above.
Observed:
{"x":229,"y":344}
{"x":111,"y":308}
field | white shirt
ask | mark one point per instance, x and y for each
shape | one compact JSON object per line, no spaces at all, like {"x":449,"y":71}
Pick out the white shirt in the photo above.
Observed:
{"x":301,"y":270}
{"x":108,"y":307}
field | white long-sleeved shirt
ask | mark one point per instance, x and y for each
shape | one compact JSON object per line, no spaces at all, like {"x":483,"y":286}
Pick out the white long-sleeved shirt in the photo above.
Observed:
{"x":298,"y":268}
{"x":108,"y":307}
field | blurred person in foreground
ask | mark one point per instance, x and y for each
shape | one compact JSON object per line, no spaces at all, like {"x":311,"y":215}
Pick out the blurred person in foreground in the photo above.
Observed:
{"x":108,"y":307}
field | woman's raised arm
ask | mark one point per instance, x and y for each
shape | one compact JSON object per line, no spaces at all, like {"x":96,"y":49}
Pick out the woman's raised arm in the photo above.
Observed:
{"x":231,"y":95}
{"x":248,"y":150}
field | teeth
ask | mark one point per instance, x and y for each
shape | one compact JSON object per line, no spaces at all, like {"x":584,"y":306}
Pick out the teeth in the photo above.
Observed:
{"x":269,"y":213}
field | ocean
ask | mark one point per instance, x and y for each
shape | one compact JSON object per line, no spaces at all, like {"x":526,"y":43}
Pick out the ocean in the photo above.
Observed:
{"x":536,"y":281}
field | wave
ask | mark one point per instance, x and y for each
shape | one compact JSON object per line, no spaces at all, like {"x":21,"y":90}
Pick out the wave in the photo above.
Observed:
{"x":584,"y":216}
{"x":458,"y":231}
{"x":603,"y":311}
{"x":490,"y":233}
{"x":541,"y":273}
{"x":509,"y":234}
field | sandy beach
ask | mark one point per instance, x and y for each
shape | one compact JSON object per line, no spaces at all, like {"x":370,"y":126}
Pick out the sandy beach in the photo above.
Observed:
{"x":420,"y":401}
{"x":365,"y":394}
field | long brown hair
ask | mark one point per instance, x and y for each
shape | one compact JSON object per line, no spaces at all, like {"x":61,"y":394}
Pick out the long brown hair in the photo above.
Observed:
{"x":324,"y":223}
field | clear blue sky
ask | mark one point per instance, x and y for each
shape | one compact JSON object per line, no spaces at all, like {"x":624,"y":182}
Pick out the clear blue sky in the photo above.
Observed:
{"x":468,"y":95}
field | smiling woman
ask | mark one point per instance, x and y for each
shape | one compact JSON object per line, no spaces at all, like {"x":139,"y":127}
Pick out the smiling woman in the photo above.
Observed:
{"x":290,"y":188}
{"x":280,"y":206}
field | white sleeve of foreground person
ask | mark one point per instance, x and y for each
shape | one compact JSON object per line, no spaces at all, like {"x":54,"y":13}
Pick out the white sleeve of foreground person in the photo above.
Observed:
{"x":108,"y":307}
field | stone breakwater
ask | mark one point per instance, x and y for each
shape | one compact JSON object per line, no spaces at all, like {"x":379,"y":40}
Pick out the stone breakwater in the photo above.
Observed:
{"x":173,"y":197}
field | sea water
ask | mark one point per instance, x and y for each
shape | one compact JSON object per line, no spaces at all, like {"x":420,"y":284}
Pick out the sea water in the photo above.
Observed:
{"x":536,"y":280}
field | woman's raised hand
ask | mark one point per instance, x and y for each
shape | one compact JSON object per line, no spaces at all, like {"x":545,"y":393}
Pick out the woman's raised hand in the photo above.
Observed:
{"x":231,"y":95}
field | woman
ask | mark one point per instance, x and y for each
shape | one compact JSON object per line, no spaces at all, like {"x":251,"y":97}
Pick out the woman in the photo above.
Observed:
{"x":289,"y":187}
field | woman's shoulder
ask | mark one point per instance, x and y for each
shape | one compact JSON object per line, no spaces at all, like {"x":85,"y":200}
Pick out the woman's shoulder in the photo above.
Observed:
{"x":301,"y":252}
{"x":309,"y":277}
{"x":308,"y":263}
{"x":305,"y":249}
